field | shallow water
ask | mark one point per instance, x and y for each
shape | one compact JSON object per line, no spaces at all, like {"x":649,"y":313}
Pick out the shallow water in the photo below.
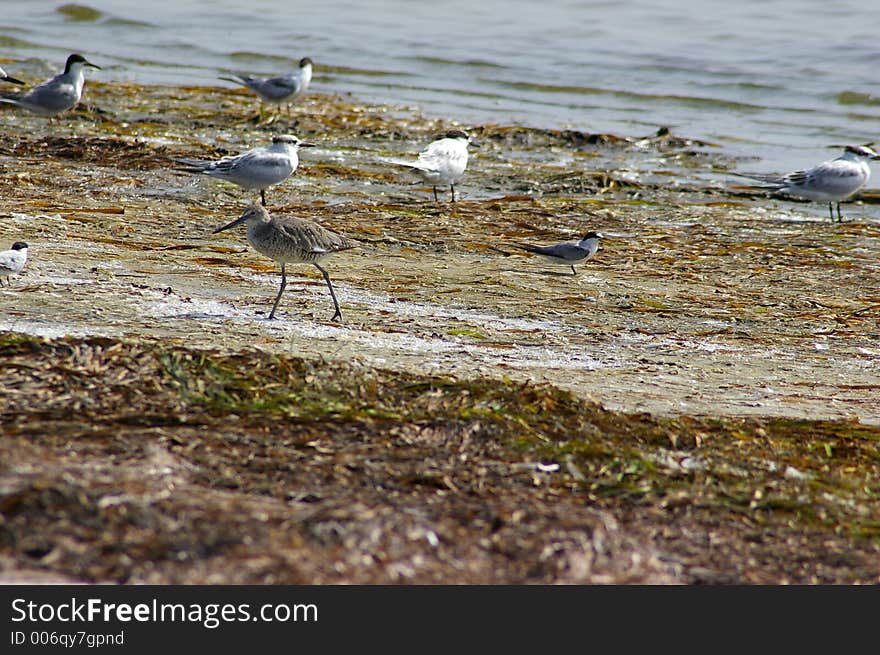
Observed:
{"x":779,"y":80}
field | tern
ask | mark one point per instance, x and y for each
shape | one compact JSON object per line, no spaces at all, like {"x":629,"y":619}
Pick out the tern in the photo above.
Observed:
{"x":443,"y":161}
{"x":831,"y":181}
{"x":259,"y":168}
{"x":57,"y":95}
{"x":12,"y":261}
{"x":567,"y":253}
{"x":281,"y":90}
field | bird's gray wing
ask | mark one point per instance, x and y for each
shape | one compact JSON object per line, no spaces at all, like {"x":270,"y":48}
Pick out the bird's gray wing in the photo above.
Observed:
{"x":770,"y":181}
{"x":279,"y":88}
{"x":832,"y":177}
{"x":230,"y":163}
{"x":51,"y":95}
{"x":273,"y":88}
{"x":196,"y":164}
{"x":568,"y":251}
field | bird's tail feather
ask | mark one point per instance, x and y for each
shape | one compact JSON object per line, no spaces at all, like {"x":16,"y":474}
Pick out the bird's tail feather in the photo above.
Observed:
{"x":770,"y":181}
{"x":404,"y":163}
{"x":190,"y":165}
{"x":527,"y":247}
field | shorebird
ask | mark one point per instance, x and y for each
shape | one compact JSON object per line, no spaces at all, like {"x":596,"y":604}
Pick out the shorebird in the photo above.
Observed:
{"x":443,"y":161}
{"x":12,"y":261}
{"x":831,"y":181}
{"x":567,"y":253}
{"x":290,"y":240}
{"x":280,"y":90}
{"x":7,"y":78}
{"x":57,"y":95}
{"x":259,"y":168}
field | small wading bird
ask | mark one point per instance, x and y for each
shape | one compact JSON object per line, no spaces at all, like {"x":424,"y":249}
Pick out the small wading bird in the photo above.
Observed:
{"x":290,"y":240}
{"x":7,"y":78}
{"x":259,"y":168}
{"x":12,"y":261}
{"x":567,"y":253}
{"x":831,"y":181}
{"x":281,"y":90}
{"x":57,"y":95}
{"x":443,"y":161}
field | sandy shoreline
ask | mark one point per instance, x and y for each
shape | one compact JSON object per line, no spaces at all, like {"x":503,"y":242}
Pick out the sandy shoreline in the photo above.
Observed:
{"x":700,"y":303}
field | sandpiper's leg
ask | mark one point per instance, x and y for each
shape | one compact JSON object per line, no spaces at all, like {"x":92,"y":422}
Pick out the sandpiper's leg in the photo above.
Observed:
{"x":839,"y":216}
{"x":452,"y":188}
{"x":280,"y":291}
{"x":831,"y":210}
{"x":573,"y":271}
{"x":326,"y":275}
{"x":435,"y":194}
{"x":263,"y":196}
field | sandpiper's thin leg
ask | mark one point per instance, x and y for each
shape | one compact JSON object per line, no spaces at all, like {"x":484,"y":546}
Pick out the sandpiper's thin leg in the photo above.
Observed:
{"x":831,"y":210}
{"x":263,"y":196}
{"x":435,"y":194}
{"x":452,"y":188}
{"x":839,"y":216}
{"x":326,"y":275}
{"x":573,"y":271}
{"x":280,"y":291}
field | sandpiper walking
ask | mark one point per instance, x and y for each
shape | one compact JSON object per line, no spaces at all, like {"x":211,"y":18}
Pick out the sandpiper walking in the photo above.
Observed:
{"x":259,"y":168}
{"x":567,"y":253}
{"x":290,"y":240}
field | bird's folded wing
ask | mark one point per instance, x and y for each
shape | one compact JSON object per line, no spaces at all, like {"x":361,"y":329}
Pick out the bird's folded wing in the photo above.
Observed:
{"x":279,"y":87}
{"x":418,"y":165}
{"x":239,"y":79}
{"x":540,"y":250}
{"x":8,"y":260}
{"x":191,"y":163}
{"x":776,"y":180}
{"x":443,"y":150}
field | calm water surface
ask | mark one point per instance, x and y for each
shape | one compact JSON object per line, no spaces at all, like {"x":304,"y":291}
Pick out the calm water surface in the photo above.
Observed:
{"x":777,"y":79}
